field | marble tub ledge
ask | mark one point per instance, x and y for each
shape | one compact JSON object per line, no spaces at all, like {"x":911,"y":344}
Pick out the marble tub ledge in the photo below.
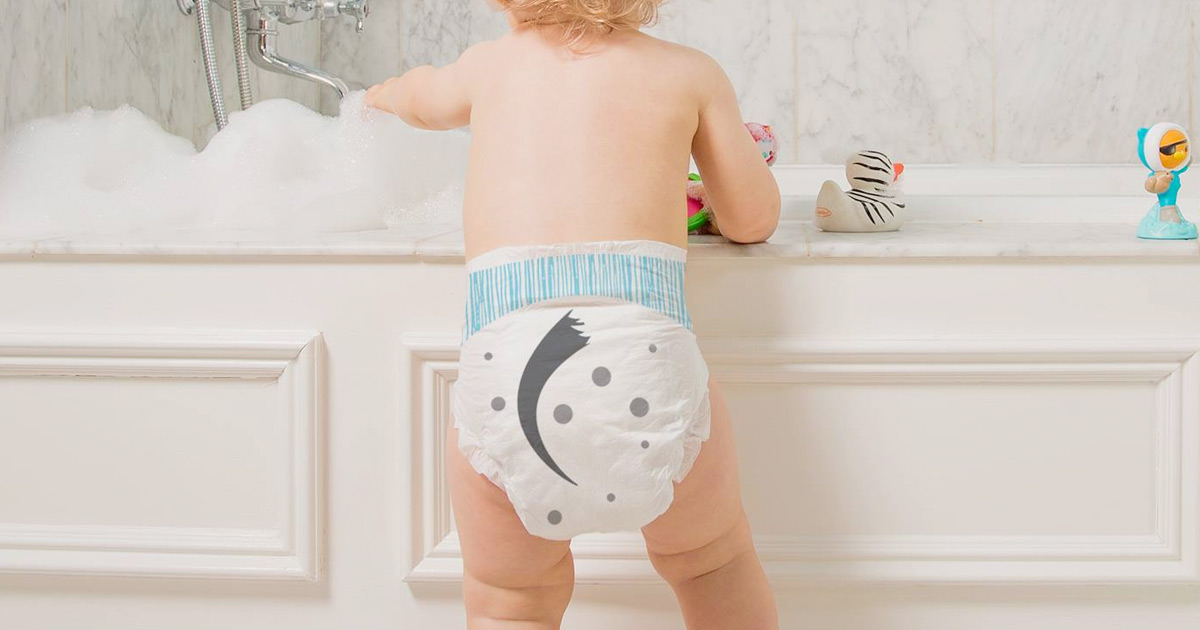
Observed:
{"x":792,"y":239}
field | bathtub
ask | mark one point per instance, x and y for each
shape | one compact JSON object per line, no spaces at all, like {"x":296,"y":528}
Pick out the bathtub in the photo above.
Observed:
{"x":246,"y":428}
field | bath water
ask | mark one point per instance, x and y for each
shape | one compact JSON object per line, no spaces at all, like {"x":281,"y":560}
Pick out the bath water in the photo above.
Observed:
{"x":277,"y":167}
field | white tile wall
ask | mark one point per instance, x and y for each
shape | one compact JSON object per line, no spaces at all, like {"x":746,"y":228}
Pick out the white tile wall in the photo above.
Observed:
{"x":60,"y":55}
{"x":1076,"y":78}
{"x":436,"y":31}
{"x":952,"y":81}
{"x":911,"y":78}
{"x":138,"y":53}
{"x":33,"y":51}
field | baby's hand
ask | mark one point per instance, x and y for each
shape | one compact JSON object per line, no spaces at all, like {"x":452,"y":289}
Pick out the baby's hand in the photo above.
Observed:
{"x":377,"y":96}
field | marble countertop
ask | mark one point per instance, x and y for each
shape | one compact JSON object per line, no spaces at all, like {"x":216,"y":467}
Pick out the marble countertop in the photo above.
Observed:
{"x":794,"y":239}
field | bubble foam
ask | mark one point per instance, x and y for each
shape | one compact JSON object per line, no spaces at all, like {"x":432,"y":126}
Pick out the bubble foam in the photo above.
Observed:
{"x":277,"y":166}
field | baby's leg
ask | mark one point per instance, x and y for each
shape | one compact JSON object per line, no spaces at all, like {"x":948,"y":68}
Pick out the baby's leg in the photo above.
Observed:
{"x":701,"y":545}
{"x":512,"y":579}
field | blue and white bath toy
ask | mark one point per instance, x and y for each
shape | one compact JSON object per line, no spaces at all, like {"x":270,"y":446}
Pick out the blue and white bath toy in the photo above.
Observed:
{"x":1165,"y":149}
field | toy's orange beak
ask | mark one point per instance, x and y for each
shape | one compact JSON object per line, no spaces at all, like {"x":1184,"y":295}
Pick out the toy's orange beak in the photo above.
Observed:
{"x":899,"y":168}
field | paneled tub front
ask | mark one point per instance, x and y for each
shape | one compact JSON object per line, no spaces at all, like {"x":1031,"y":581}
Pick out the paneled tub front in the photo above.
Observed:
{"x":242,"y":431}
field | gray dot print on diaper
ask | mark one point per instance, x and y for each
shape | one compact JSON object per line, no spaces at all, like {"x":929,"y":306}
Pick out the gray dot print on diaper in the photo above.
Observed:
{"x":639,"y":407}
{"x":563,"y":413}
{"x":497,"y":403}
{"x":601,"y":376}
{"x":555,"y":517}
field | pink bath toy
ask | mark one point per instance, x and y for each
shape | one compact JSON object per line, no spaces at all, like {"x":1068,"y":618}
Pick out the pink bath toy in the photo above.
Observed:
{"x":768,"y":144}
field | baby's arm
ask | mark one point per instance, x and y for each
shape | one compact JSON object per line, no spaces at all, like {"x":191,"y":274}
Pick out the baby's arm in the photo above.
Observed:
{"x":742,"y":192}
{"x":430,"y":98}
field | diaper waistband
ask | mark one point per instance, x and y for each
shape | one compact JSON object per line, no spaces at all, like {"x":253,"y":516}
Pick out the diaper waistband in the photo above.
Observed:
{"x":642,"y":271}
{"x":511,"y":253}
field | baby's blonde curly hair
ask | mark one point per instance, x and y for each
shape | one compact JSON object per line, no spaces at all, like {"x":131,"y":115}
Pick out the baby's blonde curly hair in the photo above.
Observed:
{"x":582,"y":20}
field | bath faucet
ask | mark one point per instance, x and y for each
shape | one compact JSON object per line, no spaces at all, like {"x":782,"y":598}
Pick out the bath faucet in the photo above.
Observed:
{"x":265,"y":15}
{"x":296,"y":11}
{"x":262,"y":17}
{"x":260,"y":45}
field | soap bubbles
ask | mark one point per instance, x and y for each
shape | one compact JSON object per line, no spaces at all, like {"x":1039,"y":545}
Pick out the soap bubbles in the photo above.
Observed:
{"x":277,"y":167}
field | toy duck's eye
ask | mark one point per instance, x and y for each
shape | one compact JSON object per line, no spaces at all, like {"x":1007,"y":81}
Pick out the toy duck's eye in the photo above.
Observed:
{"x":1170,"y":149}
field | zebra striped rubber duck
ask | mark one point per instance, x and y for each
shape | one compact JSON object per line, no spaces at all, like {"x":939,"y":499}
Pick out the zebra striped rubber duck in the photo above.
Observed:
{"x":873,"y":203}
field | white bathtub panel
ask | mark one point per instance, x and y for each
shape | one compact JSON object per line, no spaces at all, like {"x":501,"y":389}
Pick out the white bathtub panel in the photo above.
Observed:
{"x":169,"y":452}
{"x":919,"y":461}
{"x":159,"y":454}
{"x":779,"y":315}
{"x":935,"y":457}
{"x":968,"y":459}
{"x":923,"y":298}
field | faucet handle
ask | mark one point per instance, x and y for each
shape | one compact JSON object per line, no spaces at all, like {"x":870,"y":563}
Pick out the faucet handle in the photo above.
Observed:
{"x":358,"y":9}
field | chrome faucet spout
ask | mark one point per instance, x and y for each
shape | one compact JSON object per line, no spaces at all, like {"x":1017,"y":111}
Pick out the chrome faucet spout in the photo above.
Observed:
{"x":262,"y":19}
{"x":260,"y":45}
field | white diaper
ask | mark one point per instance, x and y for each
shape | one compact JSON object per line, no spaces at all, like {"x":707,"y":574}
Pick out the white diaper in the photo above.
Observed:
{"x":585,"y":404}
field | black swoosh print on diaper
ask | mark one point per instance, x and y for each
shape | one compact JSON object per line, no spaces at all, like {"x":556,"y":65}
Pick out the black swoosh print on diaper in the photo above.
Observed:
{"x":552,"y":351}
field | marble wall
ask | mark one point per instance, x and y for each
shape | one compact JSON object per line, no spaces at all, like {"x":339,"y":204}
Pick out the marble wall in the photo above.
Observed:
{"x":60,"y":55}
{"x":933,"y":81}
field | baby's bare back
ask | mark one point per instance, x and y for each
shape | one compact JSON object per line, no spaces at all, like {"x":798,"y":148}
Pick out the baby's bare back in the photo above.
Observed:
{"x":575,"y":148}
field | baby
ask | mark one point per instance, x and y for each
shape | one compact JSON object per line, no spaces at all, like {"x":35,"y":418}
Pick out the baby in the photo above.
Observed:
{"x":582,"y":402}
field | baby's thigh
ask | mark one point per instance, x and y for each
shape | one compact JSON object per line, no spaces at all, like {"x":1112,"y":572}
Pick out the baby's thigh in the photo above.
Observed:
{"x":496,"y":547}
{"x":708,"y":502}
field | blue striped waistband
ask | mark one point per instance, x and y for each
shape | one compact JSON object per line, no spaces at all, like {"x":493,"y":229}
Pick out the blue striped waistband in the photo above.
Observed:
{"x":642,"y":271}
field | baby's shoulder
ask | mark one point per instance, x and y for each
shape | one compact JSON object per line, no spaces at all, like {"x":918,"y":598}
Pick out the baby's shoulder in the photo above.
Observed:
{"x":481,"y":54}
{"x":694,"y":58}
{"x":699,"y":70}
